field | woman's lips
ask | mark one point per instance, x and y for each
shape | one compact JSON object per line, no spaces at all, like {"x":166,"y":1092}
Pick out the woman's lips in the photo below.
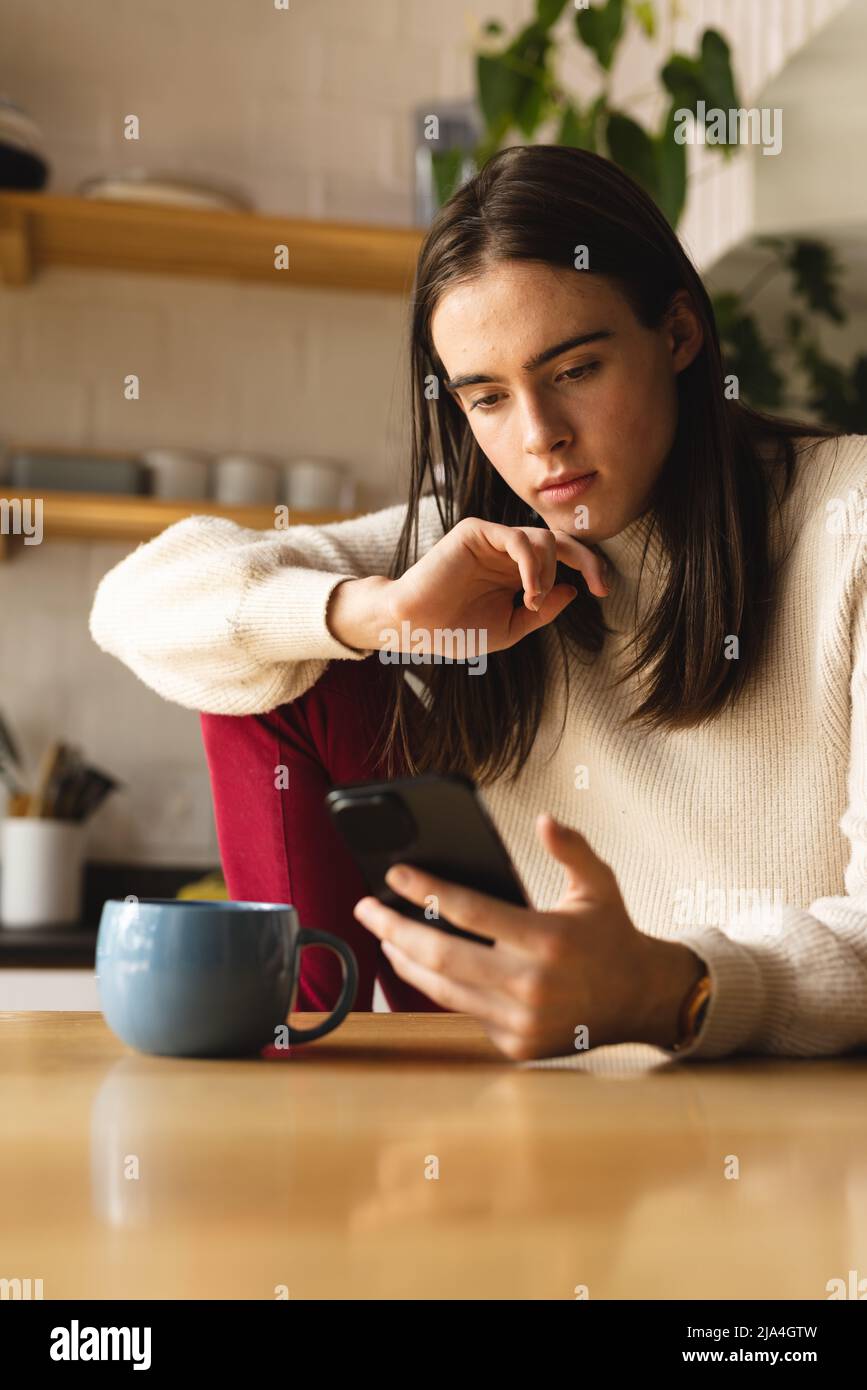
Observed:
{"x":564,"y":492}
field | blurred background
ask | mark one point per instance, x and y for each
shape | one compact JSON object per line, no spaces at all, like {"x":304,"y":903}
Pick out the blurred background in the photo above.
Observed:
{"x":209,"y":216}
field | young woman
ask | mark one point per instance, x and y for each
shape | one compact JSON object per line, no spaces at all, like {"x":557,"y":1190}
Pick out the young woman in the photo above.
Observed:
{"x":673,"y":746}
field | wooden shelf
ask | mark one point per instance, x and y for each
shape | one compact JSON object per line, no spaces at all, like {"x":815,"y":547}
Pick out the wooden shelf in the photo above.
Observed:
{"x":38,"y":230}
{"x":102,"y":516}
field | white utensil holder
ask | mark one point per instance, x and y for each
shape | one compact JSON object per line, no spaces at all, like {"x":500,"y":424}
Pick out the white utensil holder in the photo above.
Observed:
{"x":41,"y":872}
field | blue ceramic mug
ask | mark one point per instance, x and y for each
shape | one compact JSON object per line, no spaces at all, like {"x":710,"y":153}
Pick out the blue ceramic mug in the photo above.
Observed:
{"x":183,"y":978}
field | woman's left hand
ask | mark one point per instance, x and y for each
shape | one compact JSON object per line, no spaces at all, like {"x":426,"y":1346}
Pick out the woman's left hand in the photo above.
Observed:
{"x":578,"y":976}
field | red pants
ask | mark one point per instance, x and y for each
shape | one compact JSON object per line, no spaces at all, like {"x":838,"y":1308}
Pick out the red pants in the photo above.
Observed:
{"x":280,"y":846}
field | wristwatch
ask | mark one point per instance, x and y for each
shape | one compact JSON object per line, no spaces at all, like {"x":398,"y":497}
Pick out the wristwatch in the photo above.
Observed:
{"x":692,"y":1013}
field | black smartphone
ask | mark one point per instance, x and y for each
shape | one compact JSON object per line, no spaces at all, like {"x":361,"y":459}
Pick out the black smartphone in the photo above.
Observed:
{"x":432,"y":822}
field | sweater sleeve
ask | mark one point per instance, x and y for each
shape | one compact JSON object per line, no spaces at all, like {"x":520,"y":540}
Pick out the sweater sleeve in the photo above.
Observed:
{"x":801,"y":991}
{"x":227,"y":620}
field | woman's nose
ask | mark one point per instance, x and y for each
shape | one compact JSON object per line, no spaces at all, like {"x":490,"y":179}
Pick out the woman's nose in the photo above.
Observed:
{"x":545,"y":431}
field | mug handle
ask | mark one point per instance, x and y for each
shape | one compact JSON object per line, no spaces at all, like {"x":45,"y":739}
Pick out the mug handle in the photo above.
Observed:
{"x":307,"y":936}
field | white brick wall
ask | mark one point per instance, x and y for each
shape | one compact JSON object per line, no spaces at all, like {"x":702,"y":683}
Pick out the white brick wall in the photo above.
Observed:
{"x":310,"y":111}
{"x":221,"y":367}
{"x":307,"y":108}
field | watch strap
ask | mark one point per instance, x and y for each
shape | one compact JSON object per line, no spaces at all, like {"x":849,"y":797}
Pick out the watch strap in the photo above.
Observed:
{"x":692,"y":1012}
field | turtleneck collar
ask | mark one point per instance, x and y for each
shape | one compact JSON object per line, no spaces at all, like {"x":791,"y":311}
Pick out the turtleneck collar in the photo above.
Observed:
{"x":625,"y":550}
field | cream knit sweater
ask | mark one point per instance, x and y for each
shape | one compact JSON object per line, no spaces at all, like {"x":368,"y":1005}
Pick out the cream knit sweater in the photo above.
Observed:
{"x":746,"y":839}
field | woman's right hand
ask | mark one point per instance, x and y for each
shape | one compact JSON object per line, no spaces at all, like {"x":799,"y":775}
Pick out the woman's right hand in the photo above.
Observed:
{"x":467,"y":582}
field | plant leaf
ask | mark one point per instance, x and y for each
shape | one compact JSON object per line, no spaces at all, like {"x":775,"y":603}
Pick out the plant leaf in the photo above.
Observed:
{"x":746,"y":353}
{"x":498,"y":88}
{"x":707,"y":78}
{"x":572,"y":130}
{"x":671,"y":170}
{"x":682,"y":77}
{"x":815,"y":272}
{"x":773,"y":243}
{"x":840,"y":398}
{"x":600,"y":28}
{"x":794,"y":327}
{"x":549,"y":11}
{"x":581,"y":131}
{"x":632,"y":148}
{"x":446,"y":166}
{"x":646,"y":16}
{"x":726,"y":307}
{"x":716,"y":71}
{"x":529,"y":51}
{"x":529,"y":112}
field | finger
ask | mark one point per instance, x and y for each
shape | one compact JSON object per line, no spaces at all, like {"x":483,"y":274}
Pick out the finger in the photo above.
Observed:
{"x":588,"y":878}
{"x":463,"y":907}
{"x":465,"y":962}
{"x":578,"y":556}
{"x":489,"y":1008}
{"x":524,"y":622}
{"x":518,"y":546}
{"x":534,"y":553}
{"x":545,"y":548}
{"x":425,"y":943}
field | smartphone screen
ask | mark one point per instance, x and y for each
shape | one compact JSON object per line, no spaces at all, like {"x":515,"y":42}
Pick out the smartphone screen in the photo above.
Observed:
{"x":432,"y":822}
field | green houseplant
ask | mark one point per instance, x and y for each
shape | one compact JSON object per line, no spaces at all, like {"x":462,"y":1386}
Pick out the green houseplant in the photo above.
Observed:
{"x":518,"y":92}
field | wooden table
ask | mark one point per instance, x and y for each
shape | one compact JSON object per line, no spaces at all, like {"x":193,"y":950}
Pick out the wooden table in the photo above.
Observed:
{"x":310,"y":1171}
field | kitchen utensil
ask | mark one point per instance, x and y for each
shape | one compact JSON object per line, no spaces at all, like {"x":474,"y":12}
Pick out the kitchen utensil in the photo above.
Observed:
{"x":9,"y":778}
{"x":8,"y":745}
{"x":68,"y":785}
{"x":9,"y":758}
{"x":48,"y":768}
{"x":91,"y":791}
{"x":66,"y":766}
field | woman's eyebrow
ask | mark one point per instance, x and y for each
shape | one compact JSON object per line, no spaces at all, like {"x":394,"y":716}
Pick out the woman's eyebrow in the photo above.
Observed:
{"x":539,"y":360}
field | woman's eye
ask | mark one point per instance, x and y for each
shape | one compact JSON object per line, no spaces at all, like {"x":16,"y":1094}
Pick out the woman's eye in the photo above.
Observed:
{"x":576,"y":373}
{"x":485,"y":403}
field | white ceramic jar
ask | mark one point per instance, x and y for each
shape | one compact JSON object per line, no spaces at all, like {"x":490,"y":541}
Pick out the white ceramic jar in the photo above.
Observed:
{"x":313,"y":484}
{"x":244,"y":480}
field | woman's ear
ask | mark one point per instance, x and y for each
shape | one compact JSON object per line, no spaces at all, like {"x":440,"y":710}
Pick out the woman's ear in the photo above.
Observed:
{"x":684,"y":331}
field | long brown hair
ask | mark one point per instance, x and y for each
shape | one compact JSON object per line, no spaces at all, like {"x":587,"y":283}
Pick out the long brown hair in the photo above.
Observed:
{"x":711,"y":503}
